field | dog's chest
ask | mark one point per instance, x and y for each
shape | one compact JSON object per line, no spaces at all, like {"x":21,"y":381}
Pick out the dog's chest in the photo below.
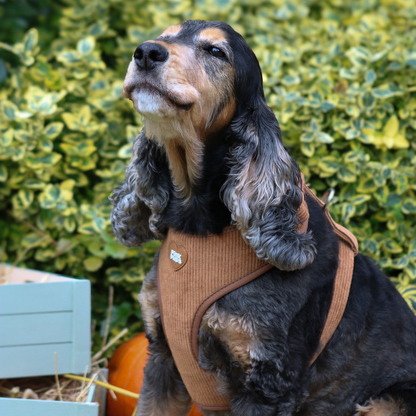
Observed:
{"x":194,"y":272}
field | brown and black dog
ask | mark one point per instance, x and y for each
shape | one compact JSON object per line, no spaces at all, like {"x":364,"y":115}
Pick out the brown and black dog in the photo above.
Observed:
{"x":211,"y":155}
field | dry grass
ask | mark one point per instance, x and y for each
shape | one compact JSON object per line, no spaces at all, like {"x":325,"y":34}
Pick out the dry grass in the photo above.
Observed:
{"x":43,"y":388}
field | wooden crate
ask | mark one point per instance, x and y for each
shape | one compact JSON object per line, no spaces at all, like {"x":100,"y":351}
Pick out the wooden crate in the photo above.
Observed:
{"x":41,"y":314}
{"x":94,"y":406}
{"x":18,"y":407}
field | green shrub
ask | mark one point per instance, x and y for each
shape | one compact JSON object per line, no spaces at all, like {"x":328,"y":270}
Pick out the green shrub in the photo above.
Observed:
{"x":339,"y":75}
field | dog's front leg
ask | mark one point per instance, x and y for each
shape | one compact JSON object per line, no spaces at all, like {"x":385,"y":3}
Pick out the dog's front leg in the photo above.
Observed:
{"x":163,"y":392}
{"x":260,"y":377}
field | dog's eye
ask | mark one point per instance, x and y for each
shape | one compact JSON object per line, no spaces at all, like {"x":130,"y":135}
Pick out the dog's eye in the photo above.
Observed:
{"x":217,"y":52}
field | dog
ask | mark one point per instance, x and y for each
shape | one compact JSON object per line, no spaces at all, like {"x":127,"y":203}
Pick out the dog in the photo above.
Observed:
{"x":210,"y":155}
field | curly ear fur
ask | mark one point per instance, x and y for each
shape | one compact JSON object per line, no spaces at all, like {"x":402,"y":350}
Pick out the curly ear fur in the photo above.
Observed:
{"x":140,"y":201}
{"x":262,"y":190}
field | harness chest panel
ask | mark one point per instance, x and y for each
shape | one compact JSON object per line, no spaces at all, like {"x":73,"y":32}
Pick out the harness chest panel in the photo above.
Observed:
{"x":194,"y":272}
{"x":192,"y":276}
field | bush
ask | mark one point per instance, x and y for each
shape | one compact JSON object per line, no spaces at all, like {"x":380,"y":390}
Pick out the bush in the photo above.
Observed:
{"x":339,"y":76}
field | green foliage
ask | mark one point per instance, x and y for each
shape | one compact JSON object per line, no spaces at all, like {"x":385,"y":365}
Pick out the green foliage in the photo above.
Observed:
{"x":340,"y":77}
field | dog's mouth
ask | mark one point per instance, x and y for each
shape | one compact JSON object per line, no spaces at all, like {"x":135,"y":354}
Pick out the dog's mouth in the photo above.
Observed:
{"x":152,"y":90}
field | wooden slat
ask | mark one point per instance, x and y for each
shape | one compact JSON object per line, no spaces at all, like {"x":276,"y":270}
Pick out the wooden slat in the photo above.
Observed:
{"x":36,"y":297}
{"x":19,"y":407}
{"x":35,"y":360}
{"x":81,"y":336}
{"x":38,"y":328}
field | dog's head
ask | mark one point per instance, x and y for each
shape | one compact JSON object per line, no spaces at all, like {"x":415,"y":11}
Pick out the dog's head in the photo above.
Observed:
{"x":186,"y":76}
{"x":196,"y":81}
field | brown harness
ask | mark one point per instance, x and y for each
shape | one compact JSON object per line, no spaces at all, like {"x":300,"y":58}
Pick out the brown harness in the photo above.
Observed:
{"x":194,"y":272}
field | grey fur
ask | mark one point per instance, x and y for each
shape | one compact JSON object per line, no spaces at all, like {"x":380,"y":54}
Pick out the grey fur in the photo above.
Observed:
{"x":140,"y":202}
{"x":262,"y":192}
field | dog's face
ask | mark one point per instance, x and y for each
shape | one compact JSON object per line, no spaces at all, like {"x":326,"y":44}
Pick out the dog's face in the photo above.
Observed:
{"x":183,"y":81}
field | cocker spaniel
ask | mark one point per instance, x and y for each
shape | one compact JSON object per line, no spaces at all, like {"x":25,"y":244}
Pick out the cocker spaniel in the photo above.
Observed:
{"x":211,"y":155}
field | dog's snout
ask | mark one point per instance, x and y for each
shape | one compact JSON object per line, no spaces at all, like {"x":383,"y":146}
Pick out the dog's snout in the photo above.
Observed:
{"x":149,"y":54}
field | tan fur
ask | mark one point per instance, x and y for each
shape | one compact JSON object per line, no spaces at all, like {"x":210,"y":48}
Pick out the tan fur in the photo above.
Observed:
{"x":224,"y":118}
{"x":212,"y":34}
{"x":236,"y":332}
{"x":193,"y":154}
{"x":184,"y":161}
{"x":182,"y":131}
{"x":389,"y":407}
{"x":171,"y":30}
{"x":149,"y":301}
{"x":177,"y":163}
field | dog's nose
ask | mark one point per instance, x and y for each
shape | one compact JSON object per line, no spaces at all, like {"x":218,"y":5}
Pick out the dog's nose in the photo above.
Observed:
{"x":148,"y":55}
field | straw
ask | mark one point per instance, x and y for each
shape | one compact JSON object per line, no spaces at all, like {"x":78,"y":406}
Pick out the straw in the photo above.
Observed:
{"x":57,"y":378}
{"x":105,"y":385}
{"x":103,"y":379}
{"x":110,"y":306}
{"x":87,"y":387}
{"x":82,"y":385}
{"x":98,"y":355}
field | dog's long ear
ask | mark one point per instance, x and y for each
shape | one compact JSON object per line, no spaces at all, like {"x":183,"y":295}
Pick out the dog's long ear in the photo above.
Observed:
{"x":262,"y":190}
{"x":139,"y":203}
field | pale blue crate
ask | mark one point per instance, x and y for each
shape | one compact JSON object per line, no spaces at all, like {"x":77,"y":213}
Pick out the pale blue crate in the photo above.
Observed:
{"x":94,"y":406}
{"x":20,"y":407}
{"x":41,"y":314}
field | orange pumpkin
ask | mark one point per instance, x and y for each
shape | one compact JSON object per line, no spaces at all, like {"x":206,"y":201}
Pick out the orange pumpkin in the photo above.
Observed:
{"x":125,"y":370}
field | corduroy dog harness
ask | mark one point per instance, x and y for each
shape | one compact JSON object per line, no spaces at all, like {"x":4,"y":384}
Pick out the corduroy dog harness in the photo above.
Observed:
{"x":194,"y":272}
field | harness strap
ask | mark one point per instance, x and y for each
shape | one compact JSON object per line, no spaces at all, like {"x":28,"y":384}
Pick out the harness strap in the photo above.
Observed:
{"x":348,"y":248}
{"x":341,"y":291}
{"x":303,"y":211}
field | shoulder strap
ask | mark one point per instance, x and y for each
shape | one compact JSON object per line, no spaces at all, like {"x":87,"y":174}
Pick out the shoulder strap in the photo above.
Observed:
{"x":348,"y":248}
{"x":342,"y":285}
{"x":341,"y":231}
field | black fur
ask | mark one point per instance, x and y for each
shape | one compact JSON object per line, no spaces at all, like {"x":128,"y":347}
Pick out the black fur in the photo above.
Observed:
{"x":205,"y":212}
{"x":371,"y":355}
